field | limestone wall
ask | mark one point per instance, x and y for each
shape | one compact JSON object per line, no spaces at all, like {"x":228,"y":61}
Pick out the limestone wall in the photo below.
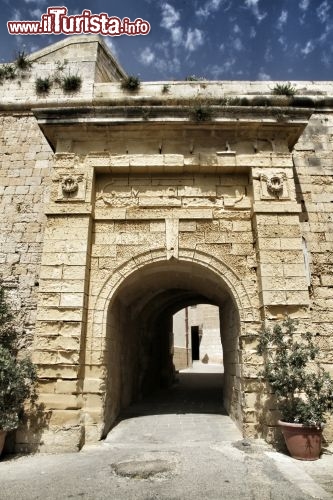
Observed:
{"x":25,"y":164}
{"x":313,"y":172}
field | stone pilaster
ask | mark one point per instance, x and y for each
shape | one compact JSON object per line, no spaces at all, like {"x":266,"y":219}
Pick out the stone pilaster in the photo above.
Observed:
{"x":282,"y":282}
{"x":62,"y":307}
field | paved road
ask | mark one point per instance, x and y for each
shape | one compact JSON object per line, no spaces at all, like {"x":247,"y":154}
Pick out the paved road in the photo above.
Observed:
{"x":177,"y":445}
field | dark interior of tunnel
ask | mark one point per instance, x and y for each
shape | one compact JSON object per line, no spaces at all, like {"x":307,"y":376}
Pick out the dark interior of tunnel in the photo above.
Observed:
{"x":139,"y":358}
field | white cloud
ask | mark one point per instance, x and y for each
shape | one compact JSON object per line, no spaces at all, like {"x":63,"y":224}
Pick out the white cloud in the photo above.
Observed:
{"x":229,"y":64}
{"x":253,"y":32}
{"x":147,"y":56}
{"x":282,"y":19}
{"x":176,"y":35}
{"x":110,"y":43}
{"x":222,"y":47}
{"x":253,"y":5}
{"x":268,"y":54}
{"x":170,"y":16}
{"x":216,"y":72}
{"x":322,"y":11}
{"x":169,"y":66}
{"x":36,"y":13}
{"x":237,"y":44}
{"x":283,"y":42}
{"x":326,"y":60}
{"x":304,"y":4}
{"x":37,"y":2}
{"x":237,"y":29}
{"x":194,"y":39}
{"x":208,"y":8}
{"x":17,"y":15}
{"x":262,"y":75}
{"x":323,"y":36}
{"x":309,"y":47}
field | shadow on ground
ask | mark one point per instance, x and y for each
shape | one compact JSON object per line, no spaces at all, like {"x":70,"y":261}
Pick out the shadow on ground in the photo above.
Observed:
{"x":193,"y":392}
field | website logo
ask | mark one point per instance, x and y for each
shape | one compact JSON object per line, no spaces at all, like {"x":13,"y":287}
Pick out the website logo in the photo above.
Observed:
{"x":56,"y":21}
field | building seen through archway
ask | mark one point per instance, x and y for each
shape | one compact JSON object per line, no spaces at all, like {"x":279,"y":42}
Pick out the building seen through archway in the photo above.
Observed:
{"x":196,"y":336}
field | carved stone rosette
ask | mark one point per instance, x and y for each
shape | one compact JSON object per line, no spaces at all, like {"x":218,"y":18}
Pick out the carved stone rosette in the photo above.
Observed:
{"x":274,"y":185}
{"x":69,"y":184}
{"x":70,"y":187}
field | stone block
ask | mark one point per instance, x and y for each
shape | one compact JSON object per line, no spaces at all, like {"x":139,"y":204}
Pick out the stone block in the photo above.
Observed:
{"x":68,"y":285}
{"x":72,"y":299}
{"x":291,"y":243}
{"x":68,"y":387}
{"x":273,"y":297}
{"x":293,"y":270}
{"x":93,"y":400}
{"x":94,"y":385}
{"x":65,"y":246}
{"x":281,"y":257}
{"x":60,"y":401}
{"x":67,"y":438}
{"x":242,"y":249}
{"x":298,"y":297}
{"x":75,"y":275}
{"x":278,"y":207}
{"x":60,"y":314}
{"x":60,"y":418}
{"x":68,"y":259}
{"x":157,"y":227}
{"x":326,"y":280}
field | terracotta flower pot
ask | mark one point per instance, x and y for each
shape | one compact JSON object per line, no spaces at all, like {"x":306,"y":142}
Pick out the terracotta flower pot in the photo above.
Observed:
{"x":303,"y":443}
{"x":2,"y":440}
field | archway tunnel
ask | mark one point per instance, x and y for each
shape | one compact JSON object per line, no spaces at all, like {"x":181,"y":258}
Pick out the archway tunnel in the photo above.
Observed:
{"x":139,"y":332}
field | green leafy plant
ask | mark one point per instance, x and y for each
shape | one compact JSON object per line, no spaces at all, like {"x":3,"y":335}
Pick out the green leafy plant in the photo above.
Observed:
{"x":165,"y":88}
{"x":58,"y":76}
{"x":236,"y":101}
{"x":18,"y":376}
{"x":8,"y":71}
{"x":16,"y":69}
{"x":284,"y":89}
{"x":304,"y":391}
{"x":201,"y":113}
{"x":71,"y":83}
{"x":131,"y":83}
{"x":146,"y":113}
{"x":194,"y":78}
{"x":43,"y":85}
{"x":22,"y":62}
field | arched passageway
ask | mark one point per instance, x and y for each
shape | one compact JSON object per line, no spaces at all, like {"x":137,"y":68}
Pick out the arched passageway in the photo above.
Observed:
{"x":138,"y":355}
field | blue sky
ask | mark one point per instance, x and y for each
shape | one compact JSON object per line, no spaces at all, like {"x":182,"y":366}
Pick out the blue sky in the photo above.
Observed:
{"x":214,"y":39}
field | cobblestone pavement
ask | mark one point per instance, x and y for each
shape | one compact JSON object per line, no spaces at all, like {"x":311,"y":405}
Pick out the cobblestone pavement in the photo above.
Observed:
{"x":176,"y":445}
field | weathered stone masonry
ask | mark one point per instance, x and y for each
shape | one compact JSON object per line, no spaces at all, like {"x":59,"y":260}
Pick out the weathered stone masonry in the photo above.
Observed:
{"x":120,"y":209}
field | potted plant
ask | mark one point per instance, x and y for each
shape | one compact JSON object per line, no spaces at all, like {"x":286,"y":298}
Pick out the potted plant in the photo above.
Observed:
{"x":17,"y":374}
{"x":304,"y":391}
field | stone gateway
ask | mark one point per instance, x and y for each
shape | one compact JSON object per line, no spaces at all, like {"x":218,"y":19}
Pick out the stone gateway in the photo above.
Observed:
{"x":121,"y":207}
